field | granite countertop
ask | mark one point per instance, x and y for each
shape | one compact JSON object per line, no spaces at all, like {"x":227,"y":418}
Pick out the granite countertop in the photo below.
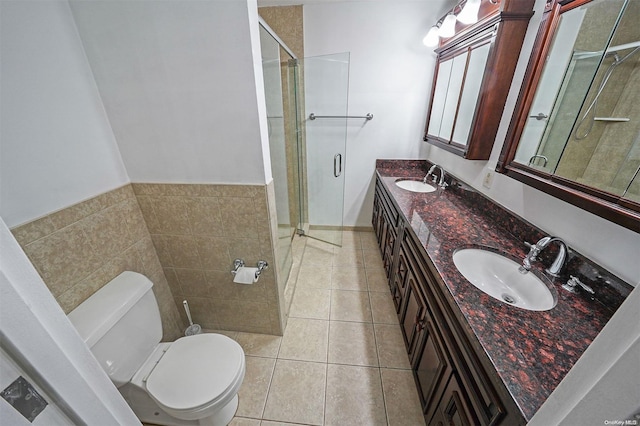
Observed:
{"x":531,"y":351}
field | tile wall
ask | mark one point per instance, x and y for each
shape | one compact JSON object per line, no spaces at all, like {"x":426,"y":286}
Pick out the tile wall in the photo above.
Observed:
{"x":77,"y":250}
{"x":198,"y":230}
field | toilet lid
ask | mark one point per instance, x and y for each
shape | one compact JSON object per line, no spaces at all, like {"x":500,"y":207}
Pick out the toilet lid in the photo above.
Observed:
{"x":195,"y":371}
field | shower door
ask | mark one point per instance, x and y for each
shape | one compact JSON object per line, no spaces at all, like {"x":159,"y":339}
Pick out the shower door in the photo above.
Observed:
{"x":281,"y":125}
{"x":326,"y":86}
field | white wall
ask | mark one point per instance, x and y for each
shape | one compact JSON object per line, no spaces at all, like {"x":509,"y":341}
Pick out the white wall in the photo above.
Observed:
{"x":48,"y":347}
{"x":604,"y":385}
{"x":610,"y":245}
{"x":181,"y":87}
{"x":258,"y":84}
{"x":390,"y":77}
{"x":56,"y":145}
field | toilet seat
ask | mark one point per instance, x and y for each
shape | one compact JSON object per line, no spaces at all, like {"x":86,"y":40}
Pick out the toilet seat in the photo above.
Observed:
{"x":197,"y":373}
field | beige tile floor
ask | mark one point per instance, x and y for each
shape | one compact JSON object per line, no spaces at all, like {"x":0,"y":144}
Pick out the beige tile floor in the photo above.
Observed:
{"x":342,"y":359}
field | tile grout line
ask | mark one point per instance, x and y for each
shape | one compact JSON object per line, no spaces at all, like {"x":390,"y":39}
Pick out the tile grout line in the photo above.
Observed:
{"x":384,"y":394}
{"x":326,"y":384}
{"x":264,"y":405}
{"x":384,"y":397}
{"x":375,"y":339}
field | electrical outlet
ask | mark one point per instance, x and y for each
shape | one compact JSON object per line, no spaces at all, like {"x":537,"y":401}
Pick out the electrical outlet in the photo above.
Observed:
{"x":488,"y":179}
{"x":24,"y":398}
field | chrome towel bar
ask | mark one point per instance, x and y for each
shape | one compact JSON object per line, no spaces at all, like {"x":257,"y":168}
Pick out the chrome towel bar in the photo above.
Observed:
{"x":612,"y":119}
{"x":369,"y":116}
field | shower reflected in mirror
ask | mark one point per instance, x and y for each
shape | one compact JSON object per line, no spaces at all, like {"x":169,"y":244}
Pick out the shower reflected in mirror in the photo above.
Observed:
{"x":584,"y":121}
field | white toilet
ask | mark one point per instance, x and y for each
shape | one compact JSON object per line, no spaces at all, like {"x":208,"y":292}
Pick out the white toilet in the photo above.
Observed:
{"x":192,"y":381}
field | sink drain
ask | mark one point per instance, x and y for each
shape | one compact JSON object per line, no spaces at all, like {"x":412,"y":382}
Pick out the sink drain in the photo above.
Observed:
{"x":508,"y":298}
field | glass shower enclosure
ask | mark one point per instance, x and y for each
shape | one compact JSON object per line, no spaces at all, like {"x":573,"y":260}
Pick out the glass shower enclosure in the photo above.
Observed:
{"x":326,"y":88}
{"x":306,"y":103}
{"x":278,"y":68}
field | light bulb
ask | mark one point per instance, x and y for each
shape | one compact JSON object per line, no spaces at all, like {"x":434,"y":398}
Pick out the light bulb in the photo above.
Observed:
{"x":469,"y":14}
{"x":432,"y":38}
{"x":448,"y":28}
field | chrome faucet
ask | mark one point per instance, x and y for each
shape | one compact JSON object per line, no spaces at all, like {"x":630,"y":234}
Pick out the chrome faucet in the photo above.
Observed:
{"x":441,"y":183}
{"x":534,"y":251}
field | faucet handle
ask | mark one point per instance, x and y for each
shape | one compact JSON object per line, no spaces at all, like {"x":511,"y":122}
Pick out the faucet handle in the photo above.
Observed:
{"x":574,"y":282}
{"x":530,"y":257}
{"x":534,"y":250}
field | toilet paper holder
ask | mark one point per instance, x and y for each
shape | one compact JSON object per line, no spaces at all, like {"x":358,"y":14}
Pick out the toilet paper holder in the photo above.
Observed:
{"x":239,"y":263}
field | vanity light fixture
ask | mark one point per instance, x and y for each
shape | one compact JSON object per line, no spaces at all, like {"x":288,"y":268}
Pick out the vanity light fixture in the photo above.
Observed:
{"x":469,"y":14}
{"x":432,"y":38}
{"x":448,"y":28}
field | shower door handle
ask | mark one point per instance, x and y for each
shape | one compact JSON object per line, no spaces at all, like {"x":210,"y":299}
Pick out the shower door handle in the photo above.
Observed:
{"x":337,"y":165}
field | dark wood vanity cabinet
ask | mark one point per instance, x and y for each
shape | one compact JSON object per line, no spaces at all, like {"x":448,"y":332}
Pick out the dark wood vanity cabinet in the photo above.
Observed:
{"x":427,"y":351}
{"x":454,"y":378}
{"x":431,"y":345}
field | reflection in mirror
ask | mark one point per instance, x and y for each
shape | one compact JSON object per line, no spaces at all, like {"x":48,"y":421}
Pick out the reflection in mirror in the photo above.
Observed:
{"x":583,"y":126}
{"x":632,"y":192}
{"x":472,"y":86}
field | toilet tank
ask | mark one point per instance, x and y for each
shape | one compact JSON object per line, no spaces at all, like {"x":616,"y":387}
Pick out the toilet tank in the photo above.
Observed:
{"x":121,"y":324}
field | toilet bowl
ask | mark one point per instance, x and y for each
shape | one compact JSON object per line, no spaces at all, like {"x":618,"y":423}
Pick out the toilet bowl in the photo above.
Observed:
{"x":192,"y":381}
{"x":198,"y":376}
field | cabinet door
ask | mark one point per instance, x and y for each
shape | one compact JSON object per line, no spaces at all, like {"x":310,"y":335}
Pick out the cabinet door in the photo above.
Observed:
{"x":470,"y":93}
{"x":450,"y":111}
{"x":444,"y":108}
{"x":431,"y":365}
{"x":400,"y":281}
{"x":389,"y":245}
{"x":439,"y":97}
{"x":413,"y":321}
{"x":453,"y":409}
{"x":376,"y":219}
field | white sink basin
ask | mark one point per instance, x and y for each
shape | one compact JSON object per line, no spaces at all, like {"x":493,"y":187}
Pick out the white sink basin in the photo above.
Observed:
{"x":499,"y":277}
{"x":415,"y":186}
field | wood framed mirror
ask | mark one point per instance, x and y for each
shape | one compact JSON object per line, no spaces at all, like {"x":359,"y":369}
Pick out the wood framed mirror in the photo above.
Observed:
{"x":575,"y":132}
